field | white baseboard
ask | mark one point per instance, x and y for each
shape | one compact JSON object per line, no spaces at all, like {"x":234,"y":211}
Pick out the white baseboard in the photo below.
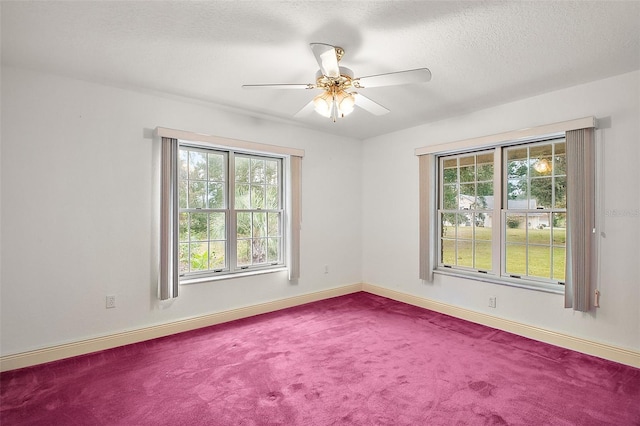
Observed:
{"x":54,"y":353}
{"x":612,"y":353}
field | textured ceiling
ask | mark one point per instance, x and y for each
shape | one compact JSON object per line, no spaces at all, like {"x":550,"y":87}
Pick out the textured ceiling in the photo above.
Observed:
{"x":481,"y":53}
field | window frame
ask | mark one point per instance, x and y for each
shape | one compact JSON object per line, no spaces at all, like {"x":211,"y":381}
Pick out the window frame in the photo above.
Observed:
{"x":232,"y":269}
{"x":497,"y":274}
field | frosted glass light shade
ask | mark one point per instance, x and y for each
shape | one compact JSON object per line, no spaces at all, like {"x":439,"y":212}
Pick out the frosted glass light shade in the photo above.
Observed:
{"x":323,"y":104}
{"x":346,"y":102}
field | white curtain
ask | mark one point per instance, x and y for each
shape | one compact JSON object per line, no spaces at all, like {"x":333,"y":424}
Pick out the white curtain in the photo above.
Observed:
{"x":580,"y":279}
{"x":295,"y":170}
{"x":427,"y":183}
{"x":168,"y":281}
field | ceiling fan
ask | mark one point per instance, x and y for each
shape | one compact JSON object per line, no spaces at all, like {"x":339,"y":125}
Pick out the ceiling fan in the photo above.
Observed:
{"x":338,"y":83}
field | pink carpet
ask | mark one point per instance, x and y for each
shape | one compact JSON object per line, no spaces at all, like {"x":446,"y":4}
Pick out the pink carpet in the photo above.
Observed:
{"x":353,"y":360}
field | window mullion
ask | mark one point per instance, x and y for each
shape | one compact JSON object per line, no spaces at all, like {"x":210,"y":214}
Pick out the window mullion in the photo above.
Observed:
{"x":232,"y":239}
{"x":499,"y":176}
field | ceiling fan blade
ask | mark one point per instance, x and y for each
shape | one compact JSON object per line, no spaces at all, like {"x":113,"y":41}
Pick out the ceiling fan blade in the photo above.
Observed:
{"x":279,"y":86}
{"x":305,"y":111}
{"x":369,"y":105}
{"x":420,"y":75}
{"x":327,"y":59}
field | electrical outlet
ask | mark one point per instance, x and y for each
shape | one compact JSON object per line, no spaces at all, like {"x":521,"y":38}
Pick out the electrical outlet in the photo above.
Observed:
{"x":492,"y":302}
{"x":111,"y":302}
{"x":326,"y":269}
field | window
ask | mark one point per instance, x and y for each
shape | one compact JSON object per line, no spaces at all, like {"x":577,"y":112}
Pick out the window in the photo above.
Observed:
{"x":231,"y":210}
{"x":226,"y":206}
{"x":502,"y":212}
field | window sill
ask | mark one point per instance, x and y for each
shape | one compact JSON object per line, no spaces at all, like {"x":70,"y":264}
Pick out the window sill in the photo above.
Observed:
{"x":547,"y":288}
{"x":199,"y":280}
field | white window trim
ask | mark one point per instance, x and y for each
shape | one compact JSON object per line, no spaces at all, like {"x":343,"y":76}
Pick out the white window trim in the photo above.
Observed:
{"x":226,"y":143}
{"x":508,"y":138}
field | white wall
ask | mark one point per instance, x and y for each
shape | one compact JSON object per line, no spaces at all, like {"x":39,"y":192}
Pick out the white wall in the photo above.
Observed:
{"x":77,"y":207}
{"x":390,"y":211}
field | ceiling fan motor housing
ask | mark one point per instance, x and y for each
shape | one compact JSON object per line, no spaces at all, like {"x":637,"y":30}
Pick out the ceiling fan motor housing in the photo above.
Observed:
{"x":342,"y":82}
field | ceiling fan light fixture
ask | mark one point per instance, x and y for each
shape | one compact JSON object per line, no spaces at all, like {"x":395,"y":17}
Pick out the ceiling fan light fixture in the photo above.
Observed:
{"x":323,"y":104}
{"x":345,"y":102}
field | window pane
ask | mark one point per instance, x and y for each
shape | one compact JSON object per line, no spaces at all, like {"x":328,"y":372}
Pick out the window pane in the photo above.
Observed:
{"x":259,"y":250}
{"x":197,"y":194}
{"x":243,"y":223}
{"x":273,"y":250}
{"x":242,"y":196}
{"x":257,"y":196}
{"x":450,"y":197}
{"x":517,"y":194}
{"x":541,"y":160}
{"x":559,"y":229}
{"x":484,"y":167}
{"x":465,"y":237}
{"x":450,"y":170}
{"x":244,"y":252}
{"x":217,"y":254}
{"x":183,"y":164}
{"x":197,"y":165}
{"x":539,"y":261}
{"x":516,"y":228}
{"x":257,"y":171}
{"x":199,"y":260}
{"x":216,"y":167}
{"x":539,"y":228}
{"x":483,"y":255}
{"x":216,"y":195}
{"x":273,"y":198}
{"x":483,"y":227}
{"x":516,"y":259}
{"x":467,"y":196}
{"x":448,"y":255}
{"x":242,"y":169}
{"x":273,"y":225}
{"x":559,"y":164}
{"x":217,"y":226}
{"x":183,"y":227}
{"x":541,"y":193}
{"x":259,"y":225}
{"x":467,"y":169}
{"x":465,"y":253}
{"x":448,"y":234}
{"x":517,"y":162}
{"x":198,"y":227}
{"x":182,"y":194}
{"x":485,"y":189}
{"x":561,"y":193}
{"x":183,"y":258}
{"x":271,"y":172}
{"x":559,"y":254}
